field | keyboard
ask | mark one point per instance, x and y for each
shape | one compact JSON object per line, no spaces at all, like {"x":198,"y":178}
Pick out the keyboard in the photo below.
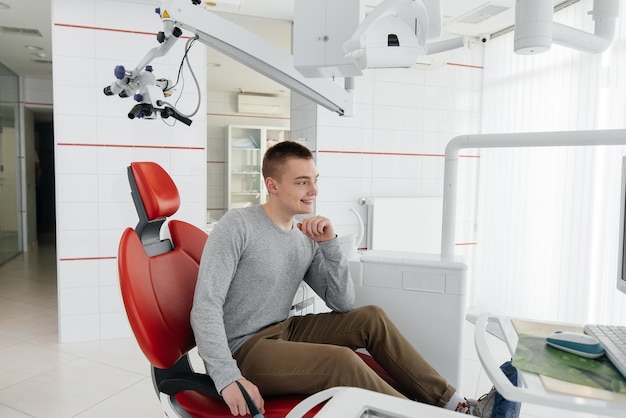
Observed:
{"x":613,"y":339}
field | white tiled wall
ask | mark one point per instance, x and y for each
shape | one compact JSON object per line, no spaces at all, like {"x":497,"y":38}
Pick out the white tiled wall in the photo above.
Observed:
{"x":395,"y":143}
{"x":95,"y":142}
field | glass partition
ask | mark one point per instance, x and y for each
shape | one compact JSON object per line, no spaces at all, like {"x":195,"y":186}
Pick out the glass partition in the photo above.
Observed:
{"x":10,"y":221}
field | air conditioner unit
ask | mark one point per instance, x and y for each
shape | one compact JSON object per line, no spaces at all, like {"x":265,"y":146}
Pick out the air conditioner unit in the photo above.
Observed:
{"x":259,"y":104}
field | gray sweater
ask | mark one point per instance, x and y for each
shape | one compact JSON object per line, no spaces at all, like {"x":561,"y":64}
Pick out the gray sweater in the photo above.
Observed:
{"x":249,"y":275}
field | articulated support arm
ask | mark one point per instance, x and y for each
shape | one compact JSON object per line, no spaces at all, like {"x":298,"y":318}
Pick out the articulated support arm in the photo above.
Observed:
{"x":233,"y":41}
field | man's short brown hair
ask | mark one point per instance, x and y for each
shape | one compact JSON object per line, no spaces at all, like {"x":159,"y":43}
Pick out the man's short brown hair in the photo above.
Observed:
{"x":276,"y":157}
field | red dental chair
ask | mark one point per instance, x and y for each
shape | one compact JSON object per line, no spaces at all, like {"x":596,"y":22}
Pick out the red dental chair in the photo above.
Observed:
{"x":157,"y":279}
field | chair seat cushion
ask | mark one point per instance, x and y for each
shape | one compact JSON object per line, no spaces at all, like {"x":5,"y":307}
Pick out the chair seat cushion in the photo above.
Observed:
{"x":205,"y":406}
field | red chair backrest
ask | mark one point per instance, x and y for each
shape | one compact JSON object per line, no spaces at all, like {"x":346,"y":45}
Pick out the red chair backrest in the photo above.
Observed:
{"x":157,"y":190}
{"x":158,"y":290}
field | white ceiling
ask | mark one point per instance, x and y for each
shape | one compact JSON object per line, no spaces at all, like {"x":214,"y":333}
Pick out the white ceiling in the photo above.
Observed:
{"x":35,"y":15}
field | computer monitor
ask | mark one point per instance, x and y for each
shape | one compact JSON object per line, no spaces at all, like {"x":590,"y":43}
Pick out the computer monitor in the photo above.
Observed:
{"x":621,"y":267}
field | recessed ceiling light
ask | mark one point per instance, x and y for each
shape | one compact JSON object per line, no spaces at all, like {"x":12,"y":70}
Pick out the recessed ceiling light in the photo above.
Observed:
{"x":214,"y":64}
{"x":4,"y":6}
{"x":222,"y":4}
{"x":33,"y":48}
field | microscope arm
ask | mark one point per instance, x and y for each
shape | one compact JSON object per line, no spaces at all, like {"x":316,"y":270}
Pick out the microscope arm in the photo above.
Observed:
{"x":233,"y":41}
{"x":258,"y":54}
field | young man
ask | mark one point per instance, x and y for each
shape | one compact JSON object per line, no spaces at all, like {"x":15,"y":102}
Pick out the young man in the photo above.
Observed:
{"x":253,"y":263}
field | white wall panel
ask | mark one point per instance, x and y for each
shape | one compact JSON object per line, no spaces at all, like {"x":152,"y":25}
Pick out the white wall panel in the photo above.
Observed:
{"x":412,"y":114}
{"x":107,"y":272}
{"x":78,"y":274}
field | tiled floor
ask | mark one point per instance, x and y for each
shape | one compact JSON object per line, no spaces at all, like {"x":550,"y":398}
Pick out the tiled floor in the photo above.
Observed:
{"x":44,"y":379}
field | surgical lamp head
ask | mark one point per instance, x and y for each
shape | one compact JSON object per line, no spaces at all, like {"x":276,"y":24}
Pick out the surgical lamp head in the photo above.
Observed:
{"x":393,"y":35}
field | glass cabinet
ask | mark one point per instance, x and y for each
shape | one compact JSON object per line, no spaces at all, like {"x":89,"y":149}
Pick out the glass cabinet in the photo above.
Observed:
{"x":246,"y":147}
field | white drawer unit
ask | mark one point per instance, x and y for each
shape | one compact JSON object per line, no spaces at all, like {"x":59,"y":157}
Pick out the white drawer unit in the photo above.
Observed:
{"x":424,"y":296}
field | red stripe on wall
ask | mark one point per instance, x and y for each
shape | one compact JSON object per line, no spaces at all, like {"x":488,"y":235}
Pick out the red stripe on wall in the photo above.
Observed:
{"x":87,"y":258}
{"x":465,"y":65}
{"x":404,"y":154}
{"x":75,"y":144}
{"x":66,"y":25}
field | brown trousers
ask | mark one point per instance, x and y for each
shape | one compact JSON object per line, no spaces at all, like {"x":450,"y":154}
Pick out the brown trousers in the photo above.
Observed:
{"x":307,"y":354}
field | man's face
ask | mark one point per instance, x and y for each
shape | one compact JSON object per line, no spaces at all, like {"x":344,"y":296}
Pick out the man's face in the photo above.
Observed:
{"x":296,"y":187}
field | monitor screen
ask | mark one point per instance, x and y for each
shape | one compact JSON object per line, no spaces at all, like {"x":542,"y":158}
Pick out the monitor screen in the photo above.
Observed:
{"x":621,"y":267}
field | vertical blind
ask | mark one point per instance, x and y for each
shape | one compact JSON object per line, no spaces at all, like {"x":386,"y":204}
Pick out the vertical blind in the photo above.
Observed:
{"x":548,"y":218}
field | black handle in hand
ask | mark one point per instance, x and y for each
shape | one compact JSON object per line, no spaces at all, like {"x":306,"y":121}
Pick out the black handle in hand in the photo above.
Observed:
{"x":254,"y":411}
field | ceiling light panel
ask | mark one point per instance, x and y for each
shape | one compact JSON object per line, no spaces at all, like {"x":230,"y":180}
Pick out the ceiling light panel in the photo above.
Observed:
{"x":12,"y":30}
{"x":481,"y":14}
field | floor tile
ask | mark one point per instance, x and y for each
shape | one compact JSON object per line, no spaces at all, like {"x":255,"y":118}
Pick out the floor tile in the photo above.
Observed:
{"x":66,"y":391}
{"x":6,"y":412}
{"x":35,"y":322}
{"x":122,"y":353}
{"x":139,"y":400}
{"x":24,"y":360}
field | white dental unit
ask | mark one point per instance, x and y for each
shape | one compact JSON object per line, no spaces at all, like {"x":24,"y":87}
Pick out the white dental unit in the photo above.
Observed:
{"x":423,"y":294}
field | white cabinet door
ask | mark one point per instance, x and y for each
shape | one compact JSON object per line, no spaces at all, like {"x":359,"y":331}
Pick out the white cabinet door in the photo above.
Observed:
{"x":246,"y":147}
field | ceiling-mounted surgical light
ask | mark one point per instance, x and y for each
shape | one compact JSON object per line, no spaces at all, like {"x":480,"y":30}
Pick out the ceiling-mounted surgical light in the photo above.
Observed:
{"x":533,"y":26}
{"x":395,"y":35}
{"x":535,"y":30}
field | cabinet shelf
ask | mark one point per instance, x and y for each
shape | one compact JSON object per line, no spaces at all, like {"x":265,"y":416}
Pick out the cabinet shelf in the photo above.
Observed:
{"x":246,"y":147}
